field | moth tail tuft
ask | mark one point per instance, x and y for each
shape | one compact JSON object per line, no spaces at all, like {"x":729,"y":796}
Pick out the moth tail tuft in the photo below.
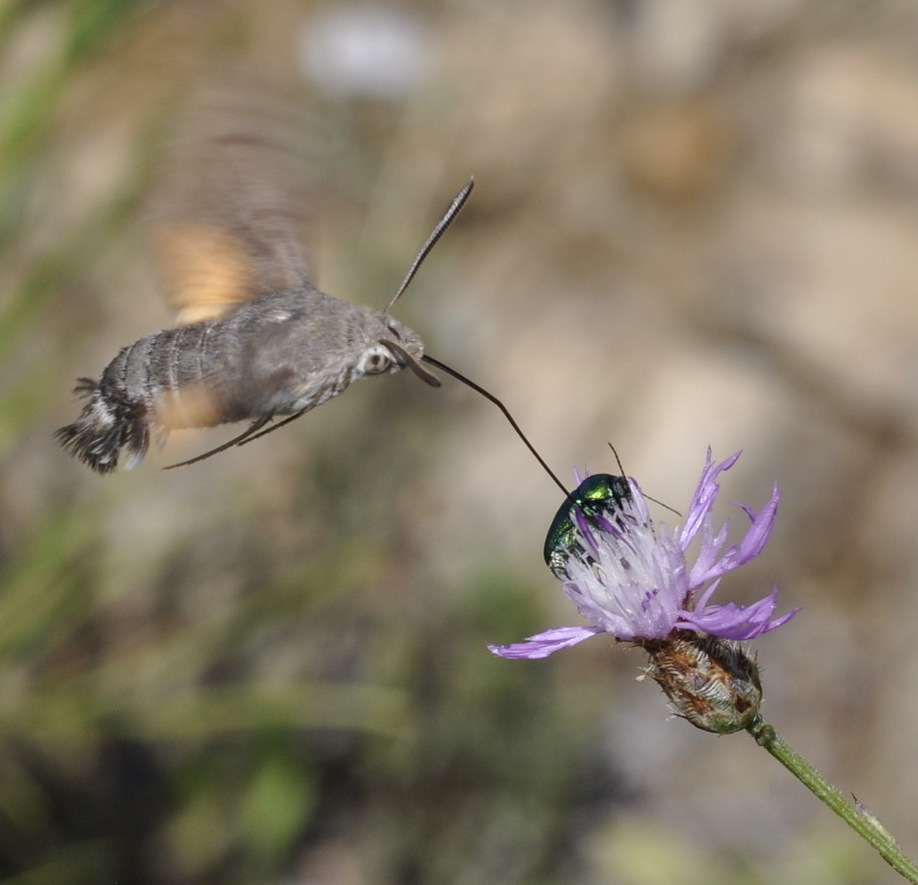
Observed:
{"x":103,"y":429}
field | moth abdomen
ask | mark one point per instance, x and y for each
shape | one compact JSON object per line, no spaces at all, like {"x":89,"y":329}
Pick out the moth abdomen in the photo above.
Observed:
{"x":108,"y":423}
{"x":153,"y":385}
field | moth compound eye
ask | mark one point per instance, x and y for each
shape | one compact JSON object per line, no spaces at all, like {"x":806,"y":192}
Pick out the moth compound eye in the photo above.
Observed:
{"x":376,"y":362}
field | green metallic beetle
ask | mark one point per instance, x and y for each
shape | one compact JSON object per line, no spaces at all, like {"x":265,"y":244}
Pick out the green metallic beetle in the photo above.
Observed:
{"x":599,"y":494}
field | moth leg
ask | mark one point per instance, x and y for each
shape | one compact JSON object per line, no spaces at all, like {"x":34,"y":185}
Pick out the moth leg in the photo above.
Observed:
{"x":250,"y":434}
{"x":243,"y":437}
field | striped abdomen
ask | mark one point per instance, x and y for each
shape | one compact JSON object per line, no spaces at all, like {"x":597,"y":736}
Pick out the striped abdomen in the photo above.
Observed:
{"x":154,"y":385}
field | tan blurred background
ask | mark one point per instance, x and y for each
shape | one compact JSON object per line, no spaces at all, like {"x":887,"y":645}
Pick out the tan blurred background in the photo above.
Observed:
{"x":694,"y":224}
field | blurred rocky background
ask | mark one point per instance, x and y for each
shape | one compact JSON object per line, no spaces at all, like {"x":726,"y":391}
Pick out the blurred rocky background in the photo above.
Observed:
{"x":694,"y":224}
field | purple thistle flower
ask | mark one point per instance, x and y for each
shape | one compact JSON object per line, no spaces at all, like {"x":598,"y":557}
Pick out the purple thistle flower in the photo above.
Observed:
{"x":636,"y":582}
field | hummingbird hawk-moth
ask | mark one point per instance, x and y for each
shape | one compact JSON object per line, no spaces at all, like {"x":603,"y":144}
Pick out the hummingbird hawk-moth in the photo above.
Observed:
{"x":259,"y":340}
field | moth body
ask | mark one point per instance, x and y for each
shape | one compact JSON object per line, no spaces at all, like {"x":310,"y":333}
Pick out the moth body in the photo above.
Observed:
{"x":278,"y":355}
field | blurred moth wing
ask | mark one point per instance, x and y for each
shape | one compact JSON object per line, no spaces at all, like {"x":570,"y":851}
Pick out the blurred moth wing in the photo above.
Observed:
{"x":205,"y":270}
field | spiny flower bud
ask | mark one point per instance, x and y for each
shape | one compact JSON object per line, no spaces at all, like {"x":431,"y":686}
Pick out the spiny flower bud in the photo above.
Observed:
{"x":711,"y":682}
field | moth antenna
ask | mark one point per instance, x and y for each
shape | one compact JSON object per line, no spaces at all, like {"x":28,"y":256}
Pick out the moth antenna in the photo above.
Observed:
{"x":490,"y":396}
{"x":648,"y":497}
{"x":435,"y":235}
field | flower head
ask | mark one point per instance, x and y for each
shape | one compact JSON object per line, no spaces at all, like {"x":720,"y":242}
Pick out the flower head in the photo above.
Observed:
{"x":636,"y":582}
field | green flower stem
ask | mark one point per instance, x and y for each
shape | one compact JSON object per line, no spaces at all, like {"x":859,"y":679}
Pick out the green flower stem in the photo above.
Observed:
{"x":859,"y":819}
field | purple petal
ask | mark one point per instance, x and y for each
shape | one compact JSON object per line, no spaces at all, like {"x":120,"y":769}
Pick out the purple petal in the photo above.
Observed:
{"x":708,"y":567}
{"x":544,"y":644}
{"x":760,"y":530}
{"x":704,"y":497}
{"x":585,"y":528}
{"x":733,"y":621}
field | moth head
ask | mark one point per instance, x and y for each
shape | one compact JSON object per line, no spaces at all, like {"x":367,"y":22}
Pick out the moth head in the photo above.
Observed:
{"x":399,"y":348}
